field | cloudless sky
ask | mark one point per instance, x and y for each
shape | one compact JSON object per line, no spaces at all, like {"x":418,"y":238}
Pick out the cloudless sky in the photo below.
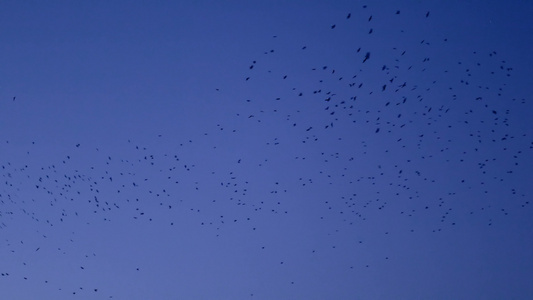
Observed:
{"x":266,"y":150}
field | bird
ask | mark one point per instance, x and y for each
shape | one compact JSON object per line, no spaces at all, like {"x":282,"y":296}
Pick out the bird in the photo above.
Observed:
{"x":367,"y":56}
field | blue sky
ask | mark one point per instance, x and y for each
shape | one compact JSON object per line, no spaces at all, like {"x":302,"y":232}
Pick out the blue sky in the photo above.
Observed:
{"x":266,"y":150}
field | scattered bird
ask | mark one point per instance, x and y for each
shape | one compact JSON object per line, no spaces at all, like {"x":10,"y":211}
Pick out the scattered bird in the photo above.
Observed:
{"x":367,"y":56}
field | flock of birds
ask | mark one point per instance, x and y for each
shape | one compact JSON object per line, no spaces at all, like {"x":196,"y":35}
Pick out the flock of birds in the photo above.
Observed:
{"x":398,"y":134}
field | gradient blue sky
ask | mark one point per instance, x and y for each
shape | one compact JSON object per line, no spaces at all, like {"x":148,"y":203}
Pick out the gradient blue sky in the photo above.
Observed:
{"x":248,"y":150}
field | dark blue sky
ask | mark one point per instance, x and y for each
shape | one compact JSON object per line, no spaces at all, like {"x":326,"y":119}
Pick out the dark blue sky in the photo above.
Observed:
{"x":266,"y":150}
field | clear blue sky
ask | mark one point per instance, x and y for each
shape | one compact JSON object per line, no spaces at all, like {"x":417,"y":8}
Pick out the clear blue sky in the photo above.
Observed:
{"x":266,"y":150}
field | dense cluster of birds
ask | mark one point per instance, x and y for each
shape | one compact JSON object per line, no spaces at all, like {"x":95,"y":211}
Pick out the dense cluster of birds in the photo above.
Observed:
{"x":398,"y":134}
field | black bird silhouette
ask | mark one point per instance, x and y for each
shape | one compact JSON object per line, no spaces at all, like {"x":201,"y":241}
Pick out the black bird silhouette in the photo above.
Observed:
{"x":367,"y":56}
